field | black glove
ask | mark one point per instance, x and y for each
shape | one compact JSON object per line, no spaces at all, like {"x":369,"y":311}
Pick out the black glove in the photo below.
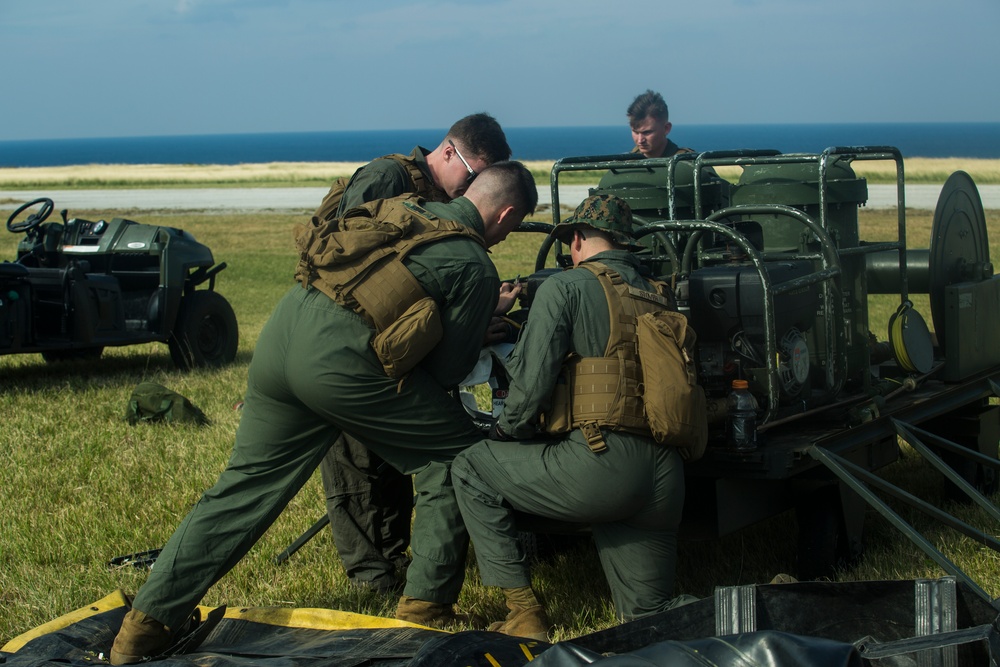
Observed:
{"x":497,"y":433}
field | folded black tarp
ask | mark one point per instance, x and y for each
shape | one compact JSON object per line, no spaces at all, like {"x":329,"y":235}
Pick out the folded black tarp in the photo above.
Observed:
{"x":883,"y":624}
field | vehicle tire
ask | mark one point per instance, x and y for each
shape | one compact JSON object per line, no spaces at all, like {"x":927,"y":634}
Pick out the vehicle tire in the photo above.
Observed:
{"x":206,"y":334}
{"x":78,"y":354}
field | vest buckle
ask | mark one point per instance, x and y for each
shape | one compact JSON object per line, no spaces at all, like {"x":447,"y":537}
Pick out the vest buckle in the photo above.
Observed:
{"x":595,"y":439}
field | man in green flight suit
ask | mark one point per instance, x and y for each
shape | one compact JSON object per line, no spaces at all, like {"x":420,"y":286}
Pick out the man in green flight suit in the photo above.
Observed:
{"x":649,"y":119}
{"x":471,"y":144}
{"x":370,"y":503}
{"x":650,"y":122}
{"x":316,"y":373}
{"x":631,"y":493}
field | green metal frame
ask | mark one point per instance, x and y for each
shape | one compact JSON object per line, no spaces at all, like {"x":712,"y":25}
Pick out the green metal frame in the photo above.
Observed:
{"x":860,"y":480}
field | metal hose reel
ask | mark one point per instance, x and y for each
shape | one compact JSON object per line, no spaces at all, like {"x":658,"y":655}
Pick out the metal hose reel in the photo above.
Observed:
{"x":960,"y":245}
{"x":910,"y":340}
{"x":959,"y":254}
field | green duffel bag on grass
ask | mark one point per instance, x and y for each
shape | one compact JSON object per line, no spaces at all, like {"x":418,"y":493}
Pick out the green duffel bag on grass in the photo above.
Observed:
{"x":151,"y":402}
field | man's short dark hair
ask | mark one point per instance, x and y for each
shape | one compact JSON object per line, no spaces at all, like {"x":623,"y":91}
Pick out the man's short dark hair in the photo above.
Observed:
{"x":650,"y":103}
{"x":510,"y":183}
{"x":482,"y":135}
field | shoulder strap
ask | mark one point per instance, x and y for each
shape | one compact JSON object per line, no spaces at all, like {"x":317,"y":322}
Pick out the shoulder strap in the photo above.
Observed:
{"x":421,"y":185}
{"x":624,"y":302}
{"x":614,"y":290}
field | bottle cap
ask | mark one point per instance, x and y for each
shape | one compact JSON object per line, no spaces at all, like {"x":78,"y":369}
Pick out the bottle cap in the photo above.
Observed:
{"x":740,"y":384}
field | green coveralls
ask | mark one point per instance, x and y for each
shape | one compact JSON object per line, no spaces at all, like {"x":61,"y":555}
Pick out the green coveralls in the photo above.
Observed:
{"x":370,"y":503}
{"x":314,"y":375}
{"x":632,"y":493}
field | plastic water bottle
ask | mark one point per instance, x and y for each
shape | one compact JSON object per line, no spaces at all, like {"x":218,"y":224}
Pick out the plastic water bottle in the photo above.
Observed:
{"x":742,"y":417}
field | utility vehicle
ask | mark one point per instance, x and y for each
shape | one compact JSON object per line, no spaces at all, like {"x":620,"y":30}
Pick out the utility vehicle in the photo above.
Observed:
{"x":79,"y":286}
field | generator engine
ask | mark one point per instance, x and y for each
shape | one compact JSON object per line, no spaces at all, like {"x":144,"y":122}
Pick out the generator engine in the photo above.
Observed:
{"x":786,"y":223}
{"x":725,"y":305}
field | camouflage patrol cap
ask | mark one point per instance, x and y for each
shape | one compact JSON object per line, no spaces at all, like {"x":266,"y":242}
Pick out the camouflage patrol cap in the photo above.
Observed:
{"x":606,"y":213}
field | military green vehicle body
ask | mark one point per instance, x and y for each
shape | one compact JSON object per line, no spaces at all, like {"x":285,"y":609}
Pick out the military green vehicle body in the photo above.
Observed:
{"x":775,"y":275}
{"x":79,"y":286}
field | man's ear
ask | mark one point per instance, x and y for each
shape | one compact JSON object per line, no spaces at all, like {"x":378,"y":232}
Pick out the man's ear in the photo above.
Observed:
{"x":667,"y":127}
{"x":504,"y":213}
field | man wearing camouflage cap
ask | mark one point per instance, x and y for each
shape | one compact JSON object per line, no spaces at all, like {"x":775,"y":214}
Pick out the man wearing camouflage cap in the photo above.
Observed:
{"x":631,"y":491}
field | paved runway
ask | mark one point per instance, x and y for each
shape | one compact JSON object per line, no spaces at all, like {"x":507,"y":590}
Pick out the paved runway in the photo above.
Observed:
{"x":307,"y":199}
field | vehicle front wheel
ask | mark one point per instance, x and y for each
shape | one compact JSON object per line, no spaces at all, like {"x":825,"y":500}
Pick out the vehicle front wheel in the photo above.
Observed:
{"x":205,"y":334}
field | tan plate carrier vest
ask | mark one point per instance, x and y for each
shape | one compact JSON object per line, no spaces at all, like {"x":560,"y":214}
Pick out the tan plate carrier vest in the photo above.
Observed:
{"x":597,"y":392}
{"x":357,"y":260}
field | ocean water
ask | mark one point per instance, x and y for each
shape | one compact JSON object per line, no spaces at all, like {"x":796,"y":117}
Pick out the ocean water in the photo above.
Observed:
{"x":964,"y":140}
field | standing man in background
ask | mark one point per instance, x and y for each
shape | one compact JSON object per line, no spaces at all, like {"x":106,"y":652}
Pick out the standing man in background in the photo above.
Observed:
{"x":650,"y":122}
{"x":368,"y":502}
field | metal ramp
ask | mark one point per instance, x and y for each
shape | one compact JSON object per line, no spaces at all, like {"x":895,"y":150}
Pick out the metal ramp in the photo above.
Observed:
{"x":861,"y":481}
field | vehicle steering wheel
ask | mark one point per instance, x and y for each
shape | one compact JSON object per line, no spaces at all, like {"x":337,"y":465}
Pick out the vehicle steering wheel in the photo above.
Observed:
{"x":33,"y":220}
{"x":562,"y":259}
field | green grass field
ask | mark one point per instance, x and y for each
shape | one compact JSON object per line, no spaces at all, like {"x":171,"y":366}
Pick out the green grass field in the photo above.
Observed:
{"x":83,"y":487}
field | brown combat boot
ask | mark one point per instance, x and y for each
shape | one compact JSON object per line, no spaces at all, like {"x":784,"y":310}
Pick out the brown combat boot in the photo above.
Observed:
{"x":431,"y":614}
{"x":140,"y":638}
{"x":527,"y":617}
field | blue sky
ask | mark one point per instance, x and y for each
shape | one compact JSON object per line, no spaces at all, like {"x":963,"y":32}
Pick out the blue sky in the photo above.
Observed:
{"x":105,"y":68}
